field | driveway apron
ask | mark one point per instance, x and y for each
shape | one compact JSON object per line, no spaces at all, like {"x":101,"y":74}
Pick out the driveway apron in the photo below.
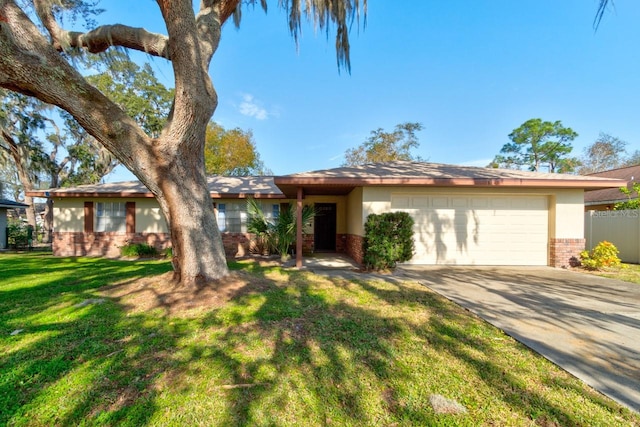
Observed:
{"x":588,"y":325}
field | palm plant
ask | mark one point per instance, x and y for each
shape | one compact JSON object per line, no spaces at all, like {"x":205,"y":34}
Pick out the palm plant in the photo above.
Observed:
{"x":259,"y":225}
{"x":277,"y":234}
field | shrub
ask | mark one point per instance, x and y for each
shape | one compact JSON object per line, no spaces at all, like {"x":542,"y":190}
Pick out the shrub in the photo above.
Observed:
{"x":388,"y":240}
{"x":138,"y":249}
{"x":605,"y":254}
{"x":19,"y":235}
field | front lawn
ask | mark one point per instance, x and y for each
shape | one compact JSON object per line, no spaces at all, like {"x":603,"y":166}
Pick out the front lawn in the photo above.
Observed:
{"x":628,"y":273}
{"x":102,"y":342}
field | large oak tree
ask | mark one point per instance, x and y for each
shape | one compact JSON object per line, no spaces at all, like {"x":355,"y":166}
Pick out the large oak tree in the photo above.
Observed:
{"x":34,"y":61}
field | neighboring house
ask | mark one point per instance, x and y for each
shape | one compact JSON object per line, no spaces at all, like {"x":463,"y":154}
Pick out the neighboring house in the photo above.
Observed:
{"x":5,"y":205}
{"x":605,"y":199}
{"x":463,"y":215}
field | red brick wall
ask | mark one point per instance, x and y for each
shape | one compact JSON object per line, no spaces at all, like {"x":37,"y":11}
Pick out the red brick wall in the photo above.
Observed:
{"x":308,"y":243}
{"x":236,"y":244}
{"x":108,"y":244}
{"x":565,"y":252}
{"x":354,"y":247}
{"x":105,"y":244}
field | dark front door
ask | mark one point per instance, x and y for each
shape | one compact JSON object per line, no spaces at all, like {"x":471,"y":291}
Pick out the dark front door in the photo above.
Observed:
{"x":324,"y":233}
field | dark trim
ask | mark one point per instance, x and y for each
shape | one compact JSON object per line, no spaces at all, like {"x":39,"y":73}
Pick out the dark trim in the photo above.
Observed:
{"x":130,"y":208}
{"x":88,"y":217}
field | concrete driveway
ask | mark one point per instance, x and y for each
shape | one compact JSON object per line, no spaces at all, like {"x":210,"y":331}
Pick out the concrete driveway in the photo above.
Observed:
{"x":588,"y":325}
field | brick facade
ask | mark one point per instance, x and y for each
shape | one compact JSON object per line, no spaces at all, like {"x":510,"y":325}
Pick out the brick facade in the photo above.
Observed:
{"x":565,"y":252}
{"x":105,"y":244}
{"x":354,"y":247}
{"x":108,"y":244}
{"x":308,"y":244}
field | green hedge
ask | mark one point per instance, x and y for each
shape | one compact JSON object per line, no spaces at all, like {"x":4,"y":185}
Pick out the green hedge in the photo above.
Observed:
{"x":19,"y":235}
{"x":388,"y":240}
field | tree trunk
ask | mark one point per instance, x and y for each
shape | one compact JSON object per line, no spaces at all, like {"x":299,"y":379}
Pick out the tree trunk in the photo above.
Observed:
{"x":172,"y":165}
{"x":198,"y":253}
{"x":47,"y":222}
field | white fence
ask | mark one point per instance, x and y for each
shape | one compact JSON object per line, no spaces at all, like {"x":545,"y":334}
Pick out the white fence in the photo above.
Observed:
{"x":622,"y":228}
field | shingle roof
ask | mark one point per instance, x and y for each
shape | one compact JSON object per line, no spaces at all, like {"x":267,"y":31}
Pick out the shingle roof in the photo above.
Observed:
{"x":410,"y":169}
{"x":9,"y":204}
{"x":407,"y":173}
{"x":219,"y":186}
{"x":343,"y":180}
{"x":629,"y":174}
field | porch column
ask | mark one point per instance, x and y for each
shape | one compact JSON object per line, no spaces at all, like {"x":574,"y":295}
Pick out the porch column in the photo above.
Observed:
{"x":299,"y":229}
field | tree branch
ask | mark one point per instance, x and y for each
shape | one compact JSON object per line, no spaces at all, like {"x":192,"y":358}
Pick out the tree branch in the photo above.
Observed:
{"x":101,"y":38}
{"x":104,"y":37}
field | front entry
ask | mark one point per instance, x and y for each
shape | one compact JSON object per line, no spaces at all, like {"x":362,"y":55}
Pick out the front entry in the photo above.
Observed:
{"x":324,"y":231}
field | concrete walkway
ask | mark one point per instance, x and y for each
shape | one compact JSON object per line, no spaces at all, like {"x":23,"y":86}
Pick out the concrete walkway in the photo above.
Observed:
{"x":588,"y":325}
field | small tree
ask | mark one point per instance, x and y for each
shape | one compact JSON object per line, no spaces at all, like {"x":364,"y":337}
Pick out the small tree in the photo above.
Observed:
{"x":607,"y":152}
{"x":630,"y":203}
{"x":537,"y":144}
{"x":231,"y":152}
{"x":384,"y":146}
{"x":388,"y":240}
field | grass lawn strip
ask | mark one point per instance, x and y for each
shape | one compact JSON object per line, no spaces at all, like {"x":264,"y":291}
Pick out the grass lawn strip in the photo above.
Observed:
{"x":268,"y":346}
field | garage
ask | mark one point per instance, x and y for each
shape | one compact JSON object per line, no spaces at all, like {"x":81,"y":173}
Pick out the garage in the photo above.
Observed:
{"x":478,"y":229}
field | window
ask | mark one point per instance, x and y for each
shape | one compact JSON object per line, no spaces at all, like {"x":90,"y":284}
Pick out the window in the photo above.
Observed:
{"x":232,"y":217}
{"x":275,"y":211}
{"x":222,"y":217}
{"x":111,"y":216}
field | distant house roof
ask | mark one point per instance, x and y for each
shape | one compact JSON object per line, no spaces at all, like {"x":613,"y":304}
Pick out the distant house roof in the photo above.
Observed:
{"x":342,"y":180}
{"x":407,"y":173}
{"x":10,"y":204}
{"x":629,"y":174}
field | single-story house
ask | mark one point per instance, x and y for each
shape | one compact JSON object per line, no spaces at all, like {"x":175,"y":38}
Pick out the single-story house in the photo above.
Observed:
{"x":5,"y":205}
{"x":605,"y":199}
{"x":463,"y":215}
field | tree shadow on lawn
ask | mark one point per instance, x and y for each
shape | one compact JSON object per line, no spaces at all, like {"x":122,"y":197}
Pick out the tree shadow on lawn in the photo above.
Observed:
{"x":285,"y":349}
{"x":63,"y":347}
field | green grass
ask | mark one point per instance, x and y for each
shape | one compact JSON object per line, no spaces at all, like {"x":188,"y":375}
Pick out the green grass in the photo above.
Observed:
{"x":628,"y":273}
{"x":303,"y":350}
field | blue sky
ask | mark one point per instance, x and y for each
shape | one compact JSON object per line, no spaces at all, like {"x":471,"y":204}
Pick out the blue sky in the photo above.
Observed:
{"x":469,"y":70}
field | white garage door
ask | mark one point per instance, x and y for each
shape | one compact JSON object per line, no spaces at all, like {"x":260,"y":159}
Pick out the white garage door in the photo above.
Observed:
{"x":480,"y":230}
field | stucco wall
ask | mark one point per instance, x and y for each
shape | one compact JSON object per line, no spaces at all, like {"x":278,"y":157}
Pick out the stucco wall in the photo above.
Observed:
{"x":68,"y":215}
{"x":569,"y":214}
{"x":149,"y":217}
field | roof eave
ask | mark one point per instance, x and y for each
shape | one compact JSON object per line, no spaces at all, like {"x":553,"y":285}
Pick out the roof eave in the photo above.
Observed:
{"x":450,"y":182}
{"x":137,"y":195}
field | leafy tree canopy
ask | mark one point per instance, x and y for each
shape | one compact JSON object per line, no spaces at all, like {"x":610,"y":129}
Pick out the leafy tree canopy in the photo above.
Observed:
{"x":633,"y":200}
{"x":538,"y":145}
{"x":231,"y":152}
{"x":384,"y":146}
{"x":607,"y":152}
